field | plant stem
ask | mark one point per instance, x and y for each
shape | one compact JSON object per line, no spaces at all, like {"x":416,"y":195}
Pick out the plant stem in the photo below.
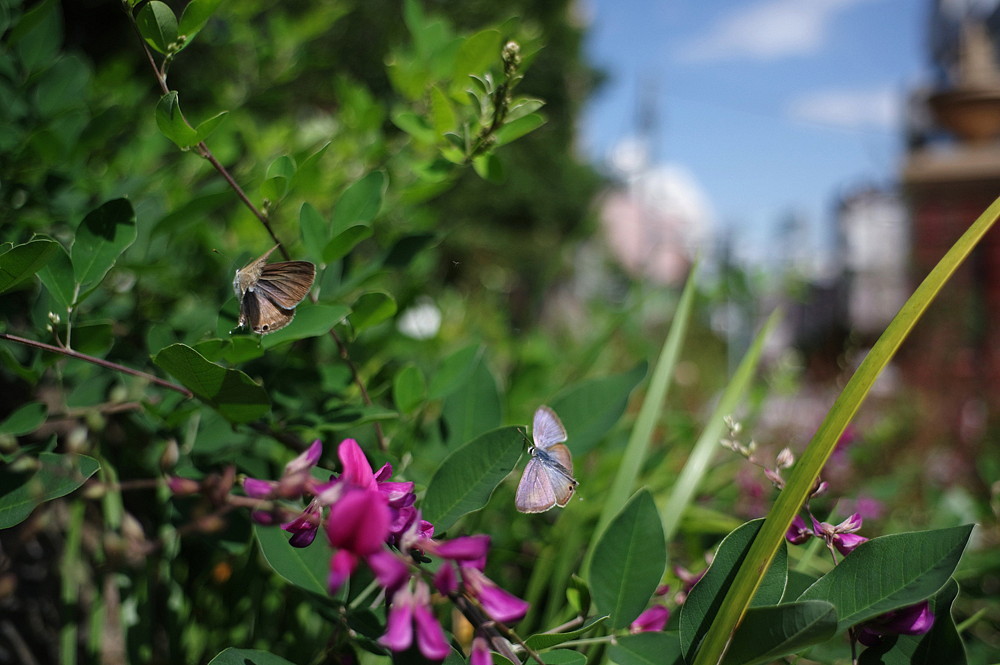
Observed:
{"x":98,"y":361}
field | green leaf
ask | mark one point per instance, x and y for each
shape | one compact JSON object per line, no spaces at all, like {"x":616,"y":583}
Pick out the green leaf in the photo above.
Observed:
{"x":371,"y":309}
{"x":591,"y":408}
{"x":305,"y":567}
{"x":703,"y":603}
{"x":102,"y":236}
{"x":541,"y":641}
{"x":171,"y":121}
{"x":647,"y":649}
{"x":454,"y":371}
{"x":943,"y":644}
{"x":23,"y":261}
{"x":522,"y":107}
{"x":466,"y":478}
{"x":442,"y":114}
{"x":279,"y":174}
{"x":488,"y":167}
{"x":158,"y":25}
{"x":359,"y":203}
{"x":25,"y":420}
{"x":515,"y":129}
{"x":62,"y":87}
{"x":768,"y":633}
{"x":206,"y":127}
{"x":477,"y":53}
{"x":194,"y":18}
{"x":310,"y":321}
{"x":563,"y":657}
{"x":231,"y":392}
{"x":415,"y":125}
{"x":345,"y":241}
{"x":807,"y":469}
{"x":475,"y":408}
{"x":314,"y":231}
{"x":628,"y":561}
{"x":57,"y":277}
{"x":890,"y":572}
{"x":234,"y":656}
{"x":409,"y":388}
{"x":58,"y":476}
{"x":37,"y":36}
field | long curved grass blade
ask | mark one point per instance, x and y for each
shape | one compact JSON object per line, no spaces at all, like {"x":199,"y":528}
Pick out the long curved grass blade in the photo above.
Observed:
{"x":807,"y":469}
{"x":623,"y":485}
{"x":701,"y":455}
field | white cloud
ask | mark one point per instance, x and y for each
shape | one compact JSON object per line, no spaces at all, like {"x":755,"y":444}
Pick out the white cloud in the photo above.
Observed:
{"x":767,"y":30}
{"x":880,"y":108}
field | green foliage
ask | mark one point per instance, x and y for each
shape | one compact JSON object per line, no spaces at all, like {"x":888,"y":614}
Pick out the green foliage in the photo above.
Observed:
{"x":57,"y":475}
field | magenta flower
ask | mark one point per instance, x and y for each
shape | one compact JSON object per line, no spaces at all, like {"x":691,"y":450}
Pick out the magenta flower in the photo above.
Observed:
{"x":652,"y":620}
{"x":798,"y":531}
{"x":912,"y":620}
{"x":481,"y":654}
{"x":358,"y":522}
{"x":409,"y":609}
{"x":497,"y":603}
{"x":842,"y":536}
{"x":295,"y":481}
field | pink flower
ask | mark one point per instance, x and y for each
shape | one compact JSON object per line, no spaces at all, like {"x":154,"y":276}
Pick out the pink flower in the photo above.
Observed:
{"x":480,"y":652}
{"x":912,"y":620}
{"x":358,"y":522}
{"x":798,"y":531}
{"x":842,"y":536}
{"x":652,"y":620}
{"x":409,"y":608}
{"x":498,"y":604}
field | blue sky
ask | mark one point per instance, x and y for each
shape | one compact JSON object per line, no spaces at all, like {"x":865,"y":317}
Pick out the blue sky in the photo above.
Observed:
{"x":773,"y":106}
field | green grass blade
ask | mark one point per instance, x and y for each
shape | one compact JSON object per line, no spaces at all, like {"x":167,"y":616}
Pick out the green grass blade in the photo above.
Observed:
{"x":807,"y":469}
{"x":623,"y":485}
{"x":701,"y":455}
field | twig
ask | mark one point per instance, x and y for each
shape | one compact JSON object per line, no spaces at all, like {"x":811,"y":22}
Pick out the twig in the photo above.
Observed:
{"x":98,"y":361}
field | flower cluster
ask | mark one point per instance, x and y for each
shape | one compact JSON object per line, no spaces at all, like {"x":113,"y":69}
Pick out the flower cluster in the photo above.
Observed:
{"x":369,"y":519}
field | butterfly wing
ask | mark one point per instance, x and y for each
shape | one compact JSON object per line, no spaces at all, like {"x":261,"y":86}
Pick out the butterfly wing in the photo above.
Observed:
{"x":546,"y":429}
{"x":535,"y":493}
{"x":559,"y":468}
{"x":262,"y":315}
{"x":286,"y":283}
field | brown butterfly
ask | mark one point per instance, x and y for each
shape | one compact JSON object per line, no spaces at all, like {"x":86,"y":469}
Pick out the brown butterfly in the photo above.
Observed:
{"x":269,"y":292}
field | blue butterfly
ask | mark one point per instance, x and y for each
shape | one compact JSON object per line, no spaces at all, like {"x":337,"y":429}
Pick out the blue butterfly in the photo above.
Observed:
{"x":548,"y":477}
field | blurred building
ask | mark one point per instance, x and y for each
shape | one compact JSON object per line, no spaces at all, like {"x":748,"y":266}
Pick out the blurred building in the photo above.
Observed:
{"x":950,"y":176}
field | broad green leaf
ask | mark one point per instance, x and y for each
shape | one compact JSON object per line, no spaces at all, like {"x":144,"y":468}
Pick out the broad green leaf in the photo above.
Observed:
{"x":37,"y":36}
{"x":409,"y":388}
{"x":541,"y":641}
{"x":943,"y":644}
{"x":466,"y":478}
{"x":591,"y":408}
{"x":310,"y":321}
{"x":234,"y":656}
{"x":341,"y":244}
{"x":57,"y":277}
{"x":23,"y":261}
{"x":563,"y":657}
{"x":58,"y":476}
{"x":24,"y":420}
{"x":890,"y":572}
{"x":474,"y":408}
{"x":768,"y":633}
{"x":102,"y":236}
{"x":359,"y":203}
{"x":171,"y":122}
{"x":314,"y":231}
{"x":206,"y":127}
{"x":628,"y":561}
{"x":371,"y":309}
{"x":442,"y":114}
{"x":488,"y":167}
{"x":515,"y":129}
{"x":704,"y":600}
{"x":647,"y":649}
{"x":194,"y":18}
{"x":305,"y":567}
{"x":158,"y":25}
{"x":415,"y":125}
{"x":62,"y":86}
{"x":807,"y":469}
{"x":477,"y":53}
{"x":454,"y":371}
{"x":231,"y":392}
{"x":406,"y":248}
{"x":279,"y":174}
{"x":522,"y":107}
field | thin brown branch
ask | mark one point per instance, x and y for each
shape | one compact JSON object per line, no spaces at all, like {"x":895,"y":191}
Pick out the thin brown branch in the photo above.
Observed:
{"x":98,"y":361}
